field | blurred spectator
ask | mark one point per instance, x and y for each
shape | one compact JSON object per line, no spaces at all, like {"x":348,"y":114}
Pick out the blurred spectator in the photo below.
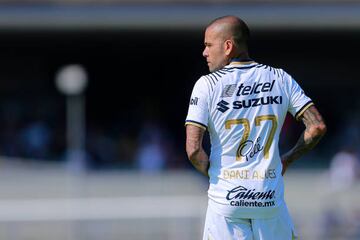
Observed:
{"x":349,"y":131}
{"x":344,"y":172}
{"x":10,"y":116}
{"x":35,"y":140}
{"x":331,"y":223}
{"x":344,"y":169}
{"x":127,"y":146}
{"x":151,"y":155}
{"x":101,"y":148}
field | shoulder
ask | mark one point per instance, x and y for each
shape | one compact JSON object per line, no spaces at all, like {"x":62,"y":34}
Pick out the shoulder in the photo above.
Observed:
{"x":212,"y":79}
{"x":202,"y":87}
{"x":279,"y":73}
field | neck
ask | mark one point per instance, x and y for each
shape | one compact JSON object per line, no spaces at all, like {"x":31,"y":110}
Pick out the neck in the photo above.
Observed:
{"x":242,"y":57}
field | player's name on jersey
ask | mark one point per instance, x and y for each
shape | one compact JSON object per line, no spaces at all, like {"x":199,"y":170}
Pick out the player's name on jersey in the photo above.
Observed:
{"x":247,"y":174}
{"x":255,"y":88}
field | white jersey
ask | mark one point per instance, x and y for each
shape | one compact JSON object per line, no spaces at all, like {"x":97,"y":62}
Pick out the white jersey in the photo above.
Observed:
{"x":243,"y":106}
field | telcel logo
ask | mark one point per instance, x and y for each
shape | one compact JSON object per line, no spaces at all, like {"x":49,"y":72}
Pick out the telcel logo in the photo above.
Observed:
{"x":255,"y":88}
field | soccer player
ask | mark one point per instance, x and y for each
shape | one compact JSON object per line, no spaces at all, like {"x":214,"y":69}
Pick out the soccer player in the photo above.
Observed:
{"x":243,"y":105}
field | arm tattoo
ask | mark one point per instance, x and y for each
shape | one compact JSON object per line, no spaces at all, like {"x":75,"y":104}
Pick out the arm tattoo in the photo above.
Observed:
{"x":315,"y":129}
{"x":196,"y":154}
{"x":312,"y":117}
{"x":201,"y":163}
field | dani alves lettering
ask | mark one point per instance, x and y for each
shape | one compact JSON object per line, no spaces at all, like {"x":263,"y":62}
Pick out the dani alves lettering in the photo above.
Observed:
{"x":243,"y":197}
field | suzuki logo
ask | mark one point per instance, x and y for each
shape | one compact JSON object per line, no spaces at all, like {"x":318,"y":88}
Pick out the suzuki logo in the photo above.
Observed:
{"x":223,"y":106}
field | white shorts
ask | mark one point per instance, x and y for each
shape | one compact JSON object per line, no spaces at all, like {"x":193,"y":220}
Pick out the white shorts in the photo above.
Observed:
{"x":218,"y":227}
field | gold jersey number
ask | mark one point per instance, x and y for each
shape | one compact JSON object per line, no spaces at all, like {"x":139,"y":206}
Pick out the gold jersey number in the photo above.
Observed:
{"x":245,"y":122}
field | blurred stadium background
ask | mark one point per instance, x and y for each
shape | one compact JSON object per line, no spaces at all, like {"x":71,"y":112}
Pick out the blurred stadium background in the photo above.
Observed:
{"x":142,"y":58}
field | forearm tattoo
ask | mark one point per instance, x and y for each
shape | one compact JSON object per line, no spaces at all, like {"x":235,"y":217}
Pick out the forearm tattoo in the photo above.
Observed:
{"x":196,"y":153}
{"x":201,"y":162}
{"x":310,"y":137}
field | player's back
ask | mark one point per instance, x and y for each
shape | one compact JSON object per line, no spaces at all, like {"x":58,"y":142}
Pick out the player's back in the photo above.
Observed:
{"x":246,"y":105}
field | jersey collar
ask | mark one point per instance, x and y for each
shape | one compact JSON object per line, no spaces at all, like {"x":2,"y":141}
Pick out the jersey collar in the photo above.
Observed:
{"x":241,"y":61}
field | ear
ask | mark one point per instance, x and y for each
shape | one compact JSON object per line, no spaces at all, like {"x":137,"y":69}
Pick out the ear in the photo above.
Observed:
{"x":229,"y":46}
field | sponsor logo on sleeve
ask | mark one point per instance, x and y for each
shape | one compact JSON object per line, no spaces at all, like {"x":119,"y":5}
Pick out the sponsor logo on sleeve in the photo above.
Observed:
{"x":194,"y":101}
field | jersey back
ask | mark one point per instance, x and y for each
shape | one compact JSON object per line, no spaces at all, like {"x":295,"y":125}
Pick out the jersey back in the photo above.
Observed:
{"x":243,"y":106}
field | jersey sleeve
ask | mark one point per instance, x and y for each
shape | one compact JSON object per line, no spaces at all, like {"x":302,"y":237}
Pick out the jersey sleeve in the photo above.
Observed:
{"x":298,"y":100}
{"x":198,"y":113}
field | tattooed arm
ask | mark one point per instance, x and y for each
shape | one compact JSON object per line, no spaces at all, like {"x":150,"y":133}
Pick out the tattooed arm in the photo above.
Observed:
{"x":194,"y":149}
{"x":315,"y":129}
